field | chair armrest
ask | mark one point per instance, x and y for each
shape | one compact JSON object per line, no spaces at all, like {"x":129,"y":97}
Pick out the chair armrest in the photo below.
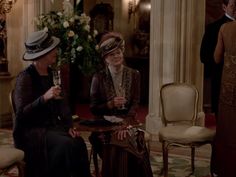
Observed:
{"x":200,"y":119}
{"x":74,"y":117}
{"x":10,"y":156}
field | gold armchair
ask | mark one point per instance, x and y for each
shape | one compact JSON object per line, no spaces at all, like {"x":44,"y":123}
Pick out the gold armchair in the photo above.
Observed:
{"x":179,"y":116}
{"x":11,"y":157}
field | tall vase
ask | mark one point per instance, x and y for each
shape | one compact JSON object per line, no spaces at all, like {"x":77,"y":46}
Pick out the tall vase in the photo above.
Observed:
{"x":76,"y":86}
{"x":65,"y":79}
{"x":79,"y":87}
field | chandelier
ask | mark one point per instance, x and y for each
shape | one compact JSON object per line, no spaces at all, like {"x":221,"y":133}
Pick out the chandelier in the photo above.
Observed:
{"x":6,"y":5}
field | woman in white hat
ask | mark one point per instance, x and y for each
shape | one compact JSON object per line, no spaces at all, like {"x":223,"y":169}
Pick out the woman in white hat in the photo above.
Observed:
{"x":43,"y":124}
{"x":115,"y":91}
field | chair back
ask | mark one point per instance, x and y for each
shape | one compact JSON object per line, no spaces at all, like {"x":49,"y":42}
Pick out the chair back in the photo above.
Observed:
{"x":179,"y":103}
{"x":12,"y":104}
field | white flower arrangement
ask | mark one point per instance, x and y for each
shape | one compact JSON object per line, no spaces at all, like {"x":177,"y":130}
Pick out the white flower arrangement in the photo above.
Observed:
{"x":78,"y":44}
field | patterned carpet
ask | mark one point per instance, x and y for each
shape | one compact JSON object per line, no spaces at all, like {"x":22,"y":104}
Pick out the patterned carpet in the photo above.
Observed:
{"x":179,"y":161}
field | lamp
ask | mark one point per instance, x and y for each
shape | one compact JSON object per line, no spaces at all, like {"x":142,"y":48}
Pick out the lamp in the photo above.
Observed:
{"x":5,"y":7}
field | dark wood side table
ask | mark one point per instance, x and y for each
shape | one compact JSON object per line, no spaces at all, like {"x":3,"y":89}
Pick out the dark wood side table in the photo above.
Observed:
{"x":103,"y":128}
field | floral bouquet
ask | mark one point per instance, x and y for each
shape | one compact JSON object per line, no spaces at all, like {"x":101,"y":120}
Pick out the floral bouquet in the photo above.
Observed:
{"x":78,"y":44}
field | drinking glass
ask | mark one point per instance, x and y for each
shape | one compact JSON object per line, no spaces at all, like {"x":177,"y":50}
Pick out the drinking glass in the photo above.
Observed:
{"x":57,"y":80}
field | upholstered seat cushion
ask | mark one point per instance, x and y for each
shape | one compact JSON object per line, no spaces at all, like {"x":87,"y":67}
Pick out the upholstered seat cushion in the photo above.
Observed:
{"x":186,"y":134}
{"x":10,"y":155}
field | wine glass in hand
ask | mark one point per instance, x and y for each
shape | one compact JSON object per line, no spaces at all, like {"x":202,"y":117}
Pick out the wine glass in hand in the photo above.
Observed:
{"x":57,"y":80}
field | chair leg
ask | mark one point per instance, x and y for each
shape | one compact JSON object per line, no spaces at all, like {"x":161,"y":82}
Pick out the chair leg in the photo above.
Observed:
{"x":95,"y":161}
{"x":21,"y":168}
{"x":165,"y":159}
{"x":213,"y":163}
{"x":148,"y":146}
{"x":93,"y":154}
{"x":192,"y":159}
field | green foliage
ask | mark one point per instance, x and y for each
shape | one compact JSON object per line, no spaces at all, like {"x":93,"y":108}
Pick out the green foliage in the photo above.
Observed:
{"x":78,"y":44}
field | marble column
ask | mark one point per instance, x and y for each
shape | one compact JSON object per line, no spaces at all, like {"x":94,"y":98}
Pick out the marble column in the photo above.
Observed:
{"x":176,"y":31}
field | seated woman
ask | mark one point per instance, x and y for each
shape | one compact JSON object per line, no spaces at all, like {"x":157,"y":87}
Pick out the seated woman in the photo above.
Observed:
{"x":115,"y":90}
{"x":43,"y":125}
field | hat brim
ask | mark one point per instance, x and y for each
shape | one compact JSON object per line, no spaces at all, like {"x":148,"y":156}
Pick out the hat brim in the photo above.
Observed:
{"x":33,"y":56}
{"x":110,"y":51}
{"x":120,"y":45}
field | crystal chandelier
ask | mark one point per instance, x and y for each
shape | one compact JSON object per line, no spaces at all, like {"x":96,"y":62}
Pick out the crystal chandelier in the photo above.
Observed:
{"x":6,"y":5}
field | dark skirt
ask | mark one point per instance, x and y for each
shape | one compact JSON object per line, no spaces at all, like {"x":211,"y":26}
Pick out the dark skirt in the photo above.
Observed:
{"x":126,"y":158}
{"x":226,"y":141}
{"x":57,"y":155}
{"x":67,"y":156}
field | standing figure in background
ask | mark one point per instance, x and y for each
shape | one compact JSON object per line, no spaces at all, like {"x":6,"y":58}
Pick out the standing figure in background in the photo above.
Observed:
{"x":43,"y":126}
{"x":225,"y":130}
{"x":209,"y":41}
{"x":115,"y":91}
{"x":211,"y":68}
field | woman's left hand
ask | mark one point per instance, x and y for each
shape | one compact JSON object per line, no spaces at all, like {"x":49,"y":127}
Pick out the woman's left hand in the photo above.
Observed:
{"x":122,"y":134}
{"x":119,"y":101}
{"x":74,"y":132}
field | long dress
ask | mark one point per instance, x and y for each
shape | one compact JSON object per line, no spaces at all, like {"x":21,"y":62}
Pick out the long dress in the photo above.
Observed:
{"x":211,"y":69}
{"x":120,"y":158}
{"x":226,"y":126}
{"x":41,"y":130}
